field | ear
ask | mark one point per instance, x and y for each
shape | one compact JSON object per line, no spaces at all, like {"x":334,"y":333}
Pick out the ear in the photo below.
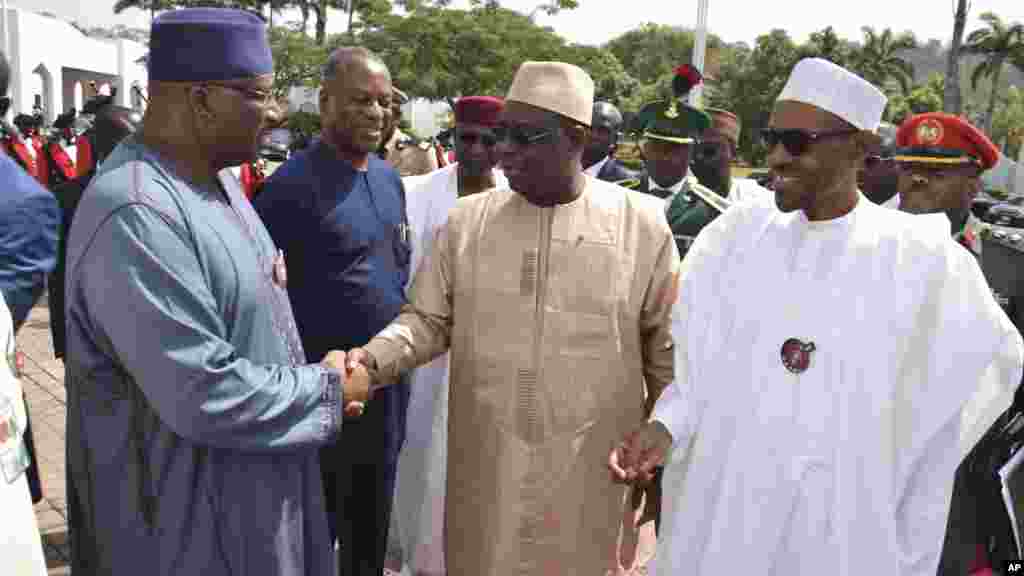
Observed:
{"x":199,"y":102}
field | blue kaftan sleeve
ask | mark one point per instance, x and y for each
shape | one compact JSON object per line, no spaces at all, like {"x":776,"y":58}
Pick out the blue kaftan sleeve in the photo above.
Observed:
{"x":147,"y":302}
{"x":28,"y":250}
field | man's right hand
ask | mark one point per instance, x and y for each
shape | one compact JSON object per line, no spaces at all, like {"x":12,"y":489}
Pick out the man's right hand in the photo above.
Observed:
{"x":634,"y":460}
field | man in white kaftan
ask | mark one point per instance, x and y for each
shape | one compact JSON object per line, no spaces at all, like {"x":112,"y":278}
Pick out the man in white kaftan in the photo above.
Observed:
{"x":553,"y":296}
{"x":818,"y":430}
{"x":417,"y":525}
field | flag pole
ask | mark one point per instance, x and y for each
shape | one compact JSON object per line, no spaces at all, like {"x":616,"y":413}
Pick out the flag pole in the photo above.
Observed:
{"x":699,"y":48}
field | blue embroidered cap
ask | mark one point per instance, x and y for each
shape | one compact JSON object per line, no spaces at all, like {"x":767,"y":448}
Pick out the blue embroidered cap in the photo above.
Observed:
{"x":208,"y":44}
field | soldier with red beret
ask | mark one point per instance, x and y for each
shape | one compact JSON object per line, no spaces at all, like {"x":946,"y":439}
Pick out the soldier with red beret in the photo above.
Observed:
{"x":941,"y":159}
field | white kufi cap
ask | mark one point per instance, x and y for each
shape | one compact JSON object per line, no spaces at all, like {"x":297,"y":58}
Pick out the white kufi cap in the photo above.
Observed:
{"x":555,"y":86}
{"x":835,"y":89}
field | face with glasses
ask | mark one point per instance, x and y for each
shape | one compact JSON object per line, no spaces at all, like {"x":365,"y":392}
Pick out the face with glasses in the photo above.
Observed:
{"x":234,"y":115}
{"x":812,"y":155}
{"x":539,"y":152}
{"x":712,"y":159}
{"x":930,"y":188}
{"x":475,"y":149}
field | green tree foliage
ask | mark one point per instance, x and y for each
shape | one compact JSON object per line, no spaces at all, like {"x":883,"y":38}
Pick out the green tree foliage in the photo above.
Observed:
{"x":1008,"y":123}
{"x":748,"y":82}
{"x":925,"y":97}
{"x":297,"y":59}
{"x":653,"y":50}
{"x":879,"y":59}
{"x":997,"y":42}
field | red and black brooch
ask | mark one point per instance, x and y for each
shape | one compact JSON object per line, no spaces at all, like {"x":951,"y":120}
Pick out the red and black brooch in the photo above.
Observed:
{"x":796,"y":355}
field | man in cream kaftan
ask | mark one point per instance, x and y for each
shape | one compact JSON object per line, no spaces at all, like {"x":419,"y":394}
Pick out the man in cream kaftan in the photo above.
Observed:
{"x":555,"y":317}
{"x":553,"y":296}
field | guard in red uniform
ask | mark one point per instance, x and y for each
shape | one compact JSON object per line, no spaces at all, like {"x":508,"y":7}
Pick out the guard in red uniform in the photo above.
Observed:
{"x":53,"y":164}
{"x":941,"y":159}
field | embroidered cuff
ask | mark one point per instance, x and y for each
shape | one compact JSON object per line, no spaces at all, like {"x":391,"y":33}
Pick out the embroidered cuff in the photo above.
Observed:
{"x":332,"y":401}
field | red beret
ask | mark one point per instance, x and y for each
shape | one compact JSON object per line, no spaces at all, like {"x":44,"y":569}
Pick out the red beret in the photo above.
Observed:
{"x":483,"y":110}
{"x":939,"y":138}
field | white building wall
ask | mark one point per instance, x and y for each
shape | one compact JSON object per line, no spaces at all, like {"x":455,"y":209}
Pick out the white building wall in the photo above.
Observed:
{"x":130,"y":72}
{"x":48,"y":45}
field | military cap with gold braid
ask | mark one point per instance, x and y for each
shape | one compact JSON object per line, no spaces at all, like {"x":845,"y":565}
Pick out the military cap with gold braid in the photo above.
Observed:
{"x":938,"y":138}
{"x":674,"y":120}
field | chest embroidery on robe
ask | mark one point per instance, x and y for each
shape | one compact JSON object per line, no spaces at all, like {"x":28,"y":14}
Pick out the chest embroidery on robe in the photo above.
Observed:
{"x":796,"y":355}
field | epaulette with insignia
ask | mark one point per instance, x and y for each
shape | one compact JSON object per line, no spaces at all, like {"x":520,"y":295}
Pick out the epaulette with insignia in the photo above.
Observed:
{"x":631,"y":183}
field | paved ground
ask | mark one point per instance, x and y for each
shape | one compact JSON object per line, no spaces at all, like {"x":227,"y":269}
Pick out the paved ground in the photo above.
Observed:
{"x":43,"y":381}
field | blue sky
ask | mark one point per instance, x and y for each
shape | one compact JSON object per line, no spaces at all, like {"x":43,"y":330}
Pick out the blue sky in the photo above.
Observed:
{"x":599,"y":20}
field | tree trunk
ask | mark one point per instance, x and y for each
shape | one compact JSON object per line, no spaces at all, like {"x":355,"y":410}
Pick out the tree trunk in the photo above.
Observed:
{"x":321,"y":23}
{"x":304,"y":8}
{"x":997,"y":75}
{"x":952,"y":98}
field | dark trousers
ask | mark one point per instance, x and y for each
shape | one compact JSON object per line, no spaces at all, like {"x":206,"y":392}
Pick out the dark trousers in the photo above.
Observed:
{"x":359,"y":480}
{"x":35,"y":486}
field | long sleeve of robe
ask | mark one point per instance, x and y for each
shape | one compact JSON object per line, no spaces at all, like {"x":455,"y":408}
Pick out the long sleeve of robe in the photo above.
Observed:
{"x":848,"y":467}
{"x":557,"y":321}
{"x":193,"y":422}
{"x":29,"y":222}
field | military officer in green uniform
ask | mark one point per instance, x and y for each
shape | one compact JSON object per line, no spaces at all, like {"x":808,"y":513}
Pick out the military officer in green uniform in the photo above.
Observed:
{"x":668,"y":131}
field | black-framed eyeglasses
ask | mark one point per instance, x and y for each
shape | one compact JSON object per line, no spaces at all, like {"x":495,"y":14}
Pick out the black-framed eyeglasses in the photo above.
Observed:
{"x":468,"y":139}
{"x":262,"y":96}
{"x":796,"y":141}
{"x":521,"y":136}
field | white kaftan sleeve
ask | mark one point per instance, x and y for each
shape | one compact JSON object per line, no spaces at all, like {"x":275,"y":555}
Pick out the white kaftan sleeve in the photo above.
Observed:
{"x":963,"y":339}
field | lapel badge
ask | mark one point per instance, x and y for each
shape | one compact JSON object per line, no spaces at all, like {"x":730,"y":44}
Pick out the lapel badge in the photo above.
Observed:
{"x":796,"y":355}
{"x":280,"y":270}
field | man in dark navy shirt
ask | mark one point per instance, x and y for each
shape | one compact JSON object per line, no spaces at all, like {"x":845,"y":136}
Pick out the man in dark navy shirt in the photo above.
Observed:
{"x":338,"y":213}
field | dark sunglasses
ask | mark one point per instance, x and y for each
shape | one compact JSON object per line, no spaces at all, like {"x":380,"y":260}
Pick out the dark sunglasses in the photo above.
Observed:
{"x":796,"y":141}
{"x":521,"y":136}
{"x":471,"y":138}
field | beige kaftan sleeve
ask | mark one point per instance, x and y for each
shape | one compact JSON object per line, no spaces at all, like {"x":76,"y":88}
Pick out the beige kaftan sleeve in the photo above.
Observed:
{"x":422,"y":330}
{"x":656,"y":321}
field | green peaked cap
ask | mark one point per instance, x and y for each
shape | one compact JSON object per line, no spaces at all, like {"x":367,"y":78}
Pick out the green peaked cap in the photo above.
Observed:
{"x":671,"y":121}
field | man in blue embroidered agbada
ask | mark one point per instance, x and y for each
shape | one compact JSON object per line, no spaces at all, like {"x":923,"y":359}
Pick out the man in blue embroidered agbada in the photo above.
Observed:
{"x":338,"y":212}
{"x":193,"y":417}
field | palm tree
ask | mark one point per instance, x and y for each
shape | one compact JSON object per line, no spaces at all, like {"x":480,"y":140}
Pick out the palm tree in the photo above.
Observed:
{"x":995,"y":43}
{"x":952,"y":97}
{"x":879,"y":59}
{"x":826,"y":44}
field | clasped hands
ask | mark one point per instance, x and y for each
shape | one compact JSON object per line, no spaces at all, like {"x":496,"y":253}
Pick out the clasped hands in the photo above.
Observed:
{"x":639,"y":453}
{"x":357,"y":386}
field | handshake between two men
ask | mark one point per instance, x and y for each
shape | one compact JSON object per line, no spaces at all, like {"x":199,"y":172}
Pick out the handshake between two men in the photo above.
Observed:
{"x":633,"y":461}
{"x":358,"y":366}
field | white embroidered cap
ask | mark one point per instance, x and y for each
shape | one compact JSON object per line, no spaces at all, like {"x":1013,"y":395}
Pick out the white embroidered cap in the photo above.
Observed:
{"x":821,"y":83}
{"x":556,"y":86}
